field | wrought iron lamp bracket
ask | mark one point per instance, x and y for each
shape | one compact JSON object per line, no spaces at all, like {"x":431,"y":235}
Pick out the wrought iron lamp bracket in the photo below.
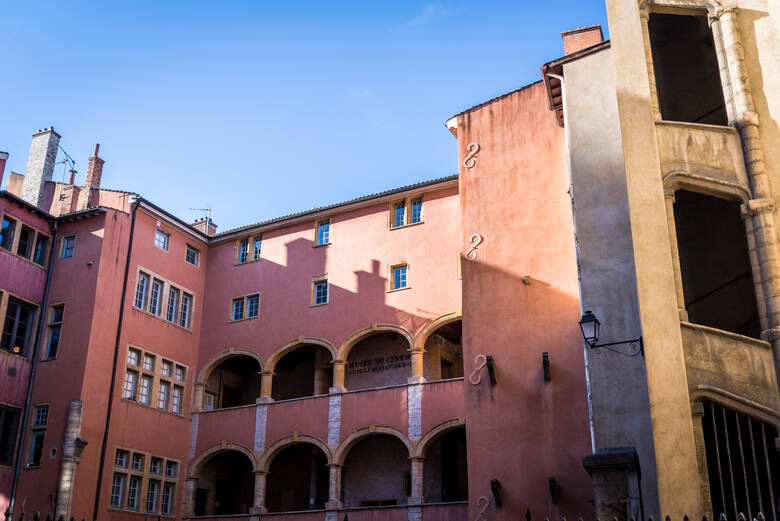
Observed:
{"x":636,"y":346}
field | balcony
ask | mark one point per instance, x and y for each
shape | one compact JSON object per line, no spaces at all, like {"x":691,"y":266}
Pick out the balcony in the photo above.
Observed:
{"x":726,"y":363}
{"x":705,"y":156}
{"x":432,"y":512}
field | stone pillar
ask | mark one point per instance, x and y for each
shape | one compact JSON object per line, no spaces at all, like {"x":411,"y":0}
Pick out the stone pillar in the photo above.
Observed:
{"x":258,"y":505}
{"x":616,"y":474}
{"x":755,"y":268}
{"x":71,"y":455}
{"x":266,"y":384}
{"x":697,"y":410}
{"x":417,"y":366}
{"x":418,"y":464}
{"x":40,"y":165}
{"x":675,"y":257}
{"x":188,"y":499}
{"x":644,"y":15}
{"x":339,"y":376}
{"x":197,"y":397}
{"x":334,"y":488}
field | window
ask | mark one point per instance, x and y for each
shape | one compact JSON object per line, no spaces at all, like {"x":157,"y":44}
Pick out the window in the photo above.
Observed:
{"x":36,"y":448}
{"x":17,"y":329}
{"x":7,"y":231}
{"x":154,"y":466}
{"x":41,"y":417}
{"x":120,"y":460}
{"x":252,"y":306}
{"x":151,"y":495}
{"x":162,"y":395}
{"x":55,"y":326}
{"x":186,"y":304}
{"x":140,"y":290}
{"x":25,"y":242}
{"x":257,"y":245}
{"x":138,"y":462}
{"x":170,"y":469}
{"x":41,"y":248}
{"x":165,"y":368}
{"x":192,"y":256}
{"x":178,"y":392}
{"x":68,"y":245}
{"x":131,"y":380}
{"x":148,"y":362}
{"x":133,"y":356}
{"x":117,"y":489}
{"x":323,"y":232}
{"x":167,"y":499}
{"x":180,"y":371}
{"x":399,"y":276}
{"x":9,"y":426}
{"x":145,"y":389}
{"x":320,"y":292}
{"x":238,"y":308}
{"x":406,"y":211}
{"x":173,"y":305}
{"x":155,"y":297}
{"x":132,"y":492}
{"x":161,"y":239}
{"x":243,"y":250}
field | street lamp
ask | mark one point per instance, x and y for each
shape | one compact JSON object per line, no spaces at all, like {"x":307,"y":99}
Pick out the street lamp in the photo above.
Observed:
{"x":591,"y":326}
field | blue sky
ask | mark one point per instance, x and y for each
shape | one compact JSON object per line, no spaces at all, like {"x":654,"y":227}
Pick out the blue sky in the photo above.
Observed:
{"x":260,"y":109}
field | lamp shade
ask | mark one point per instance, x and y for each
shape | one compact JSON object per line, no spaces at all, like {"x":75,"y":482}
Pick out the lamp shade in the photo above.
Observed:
{"x":589,"y":325}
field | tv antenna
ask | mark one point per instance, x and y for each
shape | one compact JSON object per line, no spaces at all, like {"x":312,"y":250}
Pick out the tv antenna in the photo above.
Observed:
{"x":207,"y":210}
{"x":67,"y":161}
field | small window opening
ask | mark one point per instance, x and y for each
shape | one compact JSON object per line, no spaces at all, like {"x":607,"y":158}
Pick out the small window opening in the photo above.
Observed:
{"x":715,"y":264}
{"x":686,"y":69}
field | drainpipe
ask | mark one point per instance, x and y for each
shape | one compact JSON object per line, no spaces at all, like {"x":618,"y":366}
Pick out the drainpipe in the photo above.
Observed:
{"x":36,"y":350}
{"x":135,"y":201}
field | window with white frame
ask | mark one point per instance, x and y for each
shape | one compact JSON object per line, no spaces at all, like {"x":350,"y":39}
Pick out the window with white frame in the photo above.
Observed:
{"x":323,"y":232}
{"x":192,"y":255}
{"x":185,"y":320}
{"x":244,"y":307}
{"x":7,"y":233}
{"x":68,"y":246}
{"x":139,"y":488}
{"x":173,"y":305}
{"x":399,"y":276}
{"x":161,"y":239}
{"x":243,"y":250}
{"x":320,"y":292}
{"x":117,"y":489}
{"x":257,"y":246}
{"x":150,"y":294}
{"x":55,"y":327}
{"x":155,"y":296}
{"x":18,"y":326}
{"x":405,"y":212}
{"x":141,"y":288}
{"x":144,"y":376}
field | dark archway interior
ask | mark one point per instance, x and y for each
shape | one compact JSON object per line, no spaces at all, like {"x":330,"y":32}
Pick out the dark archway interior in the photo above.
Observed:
{"x":444,"y":352}
{"x":298,"y":479}
{"x":305,"y":371}
{"x":225,"y":485}
{"x":378,"y":360}
{"x":445,"y":474}
{"x":686,"y":69}
{"x":376,"y":472}
{"x":715,"y":264}
{"x":234,"y":382}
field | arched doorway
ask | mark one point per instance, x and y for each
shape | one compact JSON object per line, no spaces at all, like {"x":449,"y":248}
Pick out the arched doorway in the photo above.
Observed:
{"x":234,"y":382}
{"x":225,"y":485}
{"x":306,"y":370}
{"x":297,"y":479}
{"x":380,"y":359}
{"x":443,"y":357}
{"x":445,"y":474}
{"x":377,"y":472}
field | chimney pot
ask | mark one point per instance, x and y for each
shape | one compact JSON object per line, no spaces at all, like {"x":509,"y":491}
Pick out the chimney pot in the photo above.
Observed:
{"x":581,"y":38}
{"x":88,"y":196}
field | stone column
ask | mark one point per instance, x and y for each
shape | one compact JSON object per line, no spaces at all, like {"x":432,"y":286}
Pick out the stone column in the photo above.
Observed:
{"x":682,"y":312}
{"x":697,"y":410}
{"x":417,"y":366}
{"x":418,"y":464}
{"x":334,"y":488}
{"x":71,"y":455}
{"x":755,"y":268}
{"x":188,"y":499}
{"x":266,"y":383}
{"x":644,"y":15}
{"x":615,"y":472}
{"x":258,"y":505}
{"x":197,"y":397}
{"x":339,"y":376}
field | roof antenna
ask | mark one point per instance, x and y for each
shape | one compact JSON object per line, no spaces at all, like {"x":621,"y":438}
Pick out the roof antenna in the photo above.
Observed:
{"x":207,"y":210}
{"x":67,"y":161}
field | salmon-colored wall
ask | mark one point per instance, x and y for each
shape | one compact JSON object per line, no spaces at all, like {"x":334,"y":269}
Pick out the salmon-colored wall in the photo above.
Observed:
{"x":522,"y":430}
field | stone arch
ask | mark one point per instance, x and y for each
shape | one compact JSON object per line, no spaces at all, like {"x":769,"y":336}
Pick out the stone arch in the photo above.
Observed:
{"x":360,"y":334}
{"x":435,"y":432}
{"x":196,"y":465}
{"x":434,"y":324}
{"x":707,"y":185}
{"x":220,"y":357}
{"x":712,"y":6}
{"x":737,"y":403}
{"x":342,"y":450}
{"x":272,"y":451}
{"x":282,"y":350}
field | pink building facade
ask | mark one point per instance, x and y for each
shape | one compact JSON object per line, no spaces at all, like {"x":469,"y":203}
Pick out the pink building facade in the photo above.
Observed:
{"x":409,"y":355}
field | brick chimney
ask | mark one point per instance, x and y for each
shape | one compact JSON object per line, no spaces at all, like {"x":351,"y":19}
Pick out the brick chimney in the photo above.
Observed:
{"x":40,"y":165}
{"x":3,"y":159}
{"x":581,"y":38}
{"x":201,"y":226}
{"x":89,"y":194}
{"x":69,"y":195}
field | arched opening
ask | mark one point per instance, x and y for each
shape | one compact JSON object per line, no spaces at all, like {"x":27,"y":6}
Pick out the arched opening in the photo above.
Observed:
{"x":304,"y":371}
{"x":297,"y":479}
{"x":234,"y":382}
{"x":443,"y":357}
{"x":225,"y":485}
{"x":377,"y":472}
{"x":445,"y":474}
{"x":378,"y":360}
{"x":715,"y":264}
